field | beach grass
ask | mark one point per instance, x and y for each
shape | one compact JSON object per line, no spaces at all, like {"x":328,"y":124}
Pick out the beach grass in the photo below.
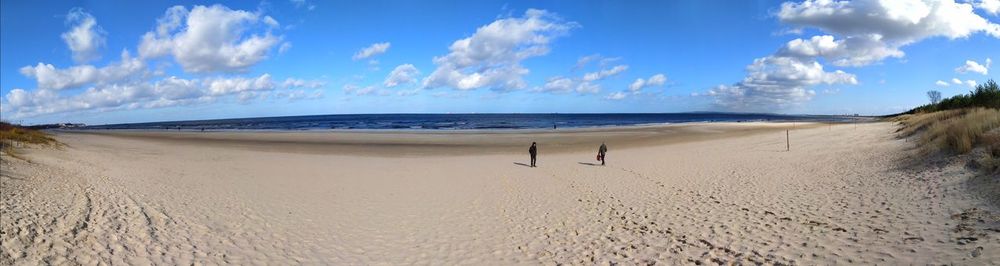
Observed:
{"x":959,"y":131}
{"x":14,"y":136}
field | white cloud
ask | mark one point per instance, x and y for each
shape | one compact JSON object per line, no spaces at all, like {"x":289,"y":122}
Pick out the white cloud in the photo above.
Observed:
{"x":352,"y":89}
{"x":402,"y":74}
{"x":777,"y":82}
{"x":956,"y":81}
{"x":853,"y":51}
{"x":587,"y":88}
{"x":558,"y":85}
{"x":602,"y":61}
{"x":896,"y":22}
{"x":970,"y":83}
{"x":491,"y":57}
{"x":616,"y":96}
{"x":284,"y":47}
{"x":140,"y":94}
{"x":301,"y":83}
{"x":303,"y":3}
{"x":210,"y":39}
{"x":605,"y":73}
{"x":990,"y":6}
{"x":973,"y":66}
{"x":228,"y":86}
{"x":371,"y":50}
{"x":49,"y":77}
{"x":128,"y":83}
{"x":85,"y":38}
{"x":132,"y":95}
{"x":583,"y":61}
{"x":941,"y":83}
{"x":868,"y":31}
{"x":639,"y":84}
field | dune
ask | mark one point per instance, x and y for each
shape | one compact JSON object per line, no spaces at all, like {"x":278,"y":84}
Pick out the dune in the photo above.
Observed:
{"x":680,"y":194}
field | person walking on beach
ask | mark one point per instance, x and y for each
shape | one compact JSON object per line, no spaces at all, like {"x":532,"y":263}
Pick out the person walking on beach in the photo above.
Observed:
{"x":533,"y":151}
{"x":601,"y":152}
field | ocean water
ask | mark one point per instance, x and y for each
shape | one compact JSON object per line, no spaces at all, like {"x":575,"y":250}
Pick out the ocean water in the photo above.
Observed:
{"x":461,"y":121}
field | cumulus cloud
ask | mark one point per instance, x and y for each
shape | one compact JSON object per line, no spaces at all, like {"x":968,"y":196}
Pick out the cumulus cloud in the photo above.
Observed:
{"x":402,"y":74}
{"x":853,"y":51}
{"x":990,"y":6}
{"x":227,"y":86}
{"x":584,"y":60}
{"x":491,"y":57}
{"x":975,"y":67}
{"x":371,"y":50}
{"x":284,"y":47}
{"x":639,"y":84}
{"x":85,"y":37}
{"x":352,"y":89}
{"x":587,"y":88}
{"x":896,"y":22}
{"x":51,"y":78}
{"x":956,"y":81}
{"x":941,"y":83}
{"x":616,"y":95}
{"x":301,"y":83}
{"x":970,"y":83}
{"x":777,"y":82}
{"x":560,"y":84}
{"x":170,"y":91}
{"x":605,"y":73}
{"x":303,"y":4}
{"x":858,"y":33}
{"x":602,"y":61}
{"x":129,"y":83}
{"x":874,"y":30}
{"x":211,"y":39}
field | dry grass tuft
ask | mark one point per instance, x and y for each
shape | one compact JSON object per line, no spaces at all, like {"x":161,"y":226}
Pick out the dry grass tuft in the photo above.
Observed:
{"x":14,"y":136}
{"x":954,"y":130}
{"x":916,"y":123}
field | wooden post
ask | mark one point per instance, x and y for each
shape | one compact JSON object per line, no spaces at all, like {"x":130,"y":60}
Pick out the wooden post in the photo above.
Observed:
{"x":788,"y":144}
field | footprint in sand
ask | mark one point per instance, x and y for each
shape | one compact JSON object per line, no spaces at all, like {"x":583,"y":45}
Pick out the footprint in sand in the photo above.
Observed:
{"x":912,"y":240}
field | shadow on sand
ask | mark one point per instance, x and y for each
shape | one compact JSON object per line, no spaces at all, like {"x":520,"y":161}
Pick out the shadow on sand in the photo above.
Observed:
{"x":590,"y":164}
{"x":522,"y":164}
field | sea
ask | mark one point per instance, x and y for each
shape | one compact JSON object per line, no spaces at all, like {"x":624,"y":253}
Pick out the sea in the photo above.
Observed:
{"x":463,"y":121}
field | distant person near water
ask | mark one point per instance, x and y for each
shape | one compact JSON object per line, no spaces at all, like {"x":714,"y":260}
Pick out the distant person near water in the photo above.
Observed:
{"x":533,"y":151}
{"x":601,"y":152}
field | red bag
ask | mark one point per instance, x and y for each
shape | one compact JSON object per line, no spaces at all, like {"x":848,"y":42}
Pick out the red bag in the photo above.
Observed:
{"x":598,"y":157}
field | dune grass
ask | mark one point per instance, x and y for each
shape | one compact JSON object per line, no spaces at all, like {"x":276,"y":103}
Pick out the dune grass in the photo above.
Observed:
{"x":14,"y":136}
{"x":956,"y":132}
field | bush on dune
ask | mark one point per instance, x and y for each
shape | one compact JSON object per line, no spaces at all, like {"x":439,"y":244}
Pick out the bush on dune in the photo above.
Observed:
{"x":985,"y":95}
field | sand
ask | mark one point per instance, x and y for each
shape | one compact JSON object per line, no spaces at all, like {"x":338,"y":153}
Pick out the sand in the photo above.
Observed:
{"x":683,"y":194}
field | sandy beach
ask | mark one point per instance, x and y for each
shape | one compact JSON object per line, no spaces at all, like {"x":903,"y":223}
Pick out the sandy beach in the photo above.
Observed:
{"x":713,"y":193}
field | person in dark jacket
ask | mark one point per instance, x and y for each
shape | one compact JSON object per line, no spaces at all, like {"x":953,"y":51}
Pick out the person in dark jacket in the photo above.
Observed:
{"x":533,"y":151}
{"x":601,"y":152}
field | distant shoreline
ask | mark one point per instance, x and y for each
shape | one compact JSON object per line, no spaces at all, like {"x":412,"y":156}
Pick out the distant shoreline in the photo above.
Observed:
{"x":465,"y":122}
{"x":567,"y":129}
{"x":394,"y":143}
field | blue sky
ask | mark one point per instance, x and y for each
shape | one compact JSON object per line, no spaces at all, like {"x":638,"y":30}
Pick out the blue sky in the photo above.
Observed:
{"x":132,"y":61}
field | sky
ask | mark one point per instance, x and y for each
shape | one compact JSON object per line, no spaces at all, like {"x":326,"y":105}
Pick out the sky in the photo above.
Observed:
{"x":100,"y":62}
